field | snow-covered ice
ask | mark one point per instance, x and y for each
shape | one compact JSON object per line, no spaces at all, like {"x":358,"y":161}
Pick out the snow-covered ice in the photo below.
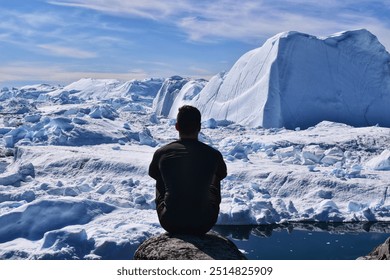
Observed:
{"x":74,"y":159}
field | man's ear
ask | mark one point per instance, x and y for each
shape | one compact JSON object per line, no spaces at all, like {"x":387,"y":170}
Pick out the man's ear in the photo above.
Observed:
{"x":177,"y":126}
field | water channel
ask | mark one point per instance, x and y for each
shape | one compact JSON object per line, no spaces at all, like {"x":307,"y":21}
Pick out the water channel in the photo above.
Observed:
{"x":307,"y":241}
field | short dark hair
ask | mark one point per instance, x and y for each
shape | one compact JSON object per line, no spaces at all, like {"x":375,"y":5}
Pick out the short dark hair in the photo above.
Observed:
{"x":188,"y":119}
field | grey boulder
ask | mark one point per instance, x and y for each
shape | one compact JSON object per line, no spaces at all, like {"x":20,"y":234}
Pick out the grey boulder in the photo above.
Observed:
{"x":210,"y":246}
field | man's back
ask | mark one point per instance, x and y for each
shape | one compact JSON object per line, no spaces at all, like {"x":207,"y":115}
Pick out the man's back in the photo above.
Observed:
{"x":188,"y":173}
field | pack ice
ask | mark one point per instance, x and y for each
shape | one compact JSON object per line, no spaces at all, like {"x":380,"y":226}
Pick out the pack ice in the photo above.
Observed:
{"x":74,"y":159}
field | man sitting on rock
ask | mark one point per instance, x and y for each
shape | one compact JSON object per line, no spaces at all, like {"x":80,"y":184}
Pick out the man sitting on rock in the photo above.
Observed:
{"x":188,"y":174}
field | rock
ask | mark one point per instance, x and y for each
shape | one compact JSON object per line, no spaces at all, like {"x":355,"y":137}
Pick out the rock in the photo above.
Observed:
{"x":382,"y":252}
{"x":210,"y":246}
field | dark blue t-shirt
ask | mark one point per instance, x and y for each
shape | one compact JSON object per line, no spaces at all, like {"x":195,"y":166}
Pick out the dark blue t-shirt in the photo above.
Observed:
{"x":185,"y":171}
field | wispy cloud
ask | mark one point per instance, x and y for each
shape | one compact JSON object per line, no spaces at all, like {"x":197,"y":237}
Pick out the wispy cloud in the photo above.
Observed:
{"x":4,"y":37}
{"x":51,"y":34}
{"x":37,"y":19}
{"x":27,"y":23}
{"x":262,"y":19}
{"x":201,"y":72}
{"x":246,"y":20}
{"x":21,"y":73}
{"x":67,"y":51}
{"x":153,"y":9}
{"x":56,"y":74}
{"x":154,"y":63}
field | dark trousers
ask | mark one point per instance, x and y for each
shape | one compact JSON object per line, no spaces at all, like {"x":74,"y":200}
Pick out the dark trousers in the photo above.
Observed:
{"x":196,"y":221}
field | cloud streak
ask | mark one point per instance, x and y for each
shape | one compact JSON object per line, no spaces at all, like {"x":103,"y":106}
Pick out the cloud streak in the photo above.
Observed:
{"x":51,"y":34}
{"x":252,"y":21}
{"x":152,"y":9}
{"x":246,"y":20}
{"x":56,"y":74}
{"x":67,"y":51}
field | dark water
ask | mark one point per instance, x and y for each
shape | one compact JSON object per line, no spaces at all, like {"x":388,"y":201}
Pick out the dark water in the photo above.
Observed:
{"x":307,"y":241}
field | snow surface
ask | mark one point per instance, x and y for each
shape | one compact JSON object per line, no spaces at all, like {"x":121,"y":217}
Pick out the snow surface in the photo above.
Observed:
{"x":74,"y":162}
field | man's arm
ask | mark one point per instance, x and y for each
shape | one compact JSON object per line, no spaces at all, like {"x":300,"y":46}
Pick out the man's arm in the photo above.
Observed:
{"x":154,"y":171}
{"x":221,"y":172}
{"x":221,"y":168}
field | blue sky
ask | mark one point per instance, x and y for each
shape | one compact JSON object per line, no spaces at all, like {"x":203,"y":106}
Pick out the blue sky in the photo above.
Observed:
{"x":60,"y":41}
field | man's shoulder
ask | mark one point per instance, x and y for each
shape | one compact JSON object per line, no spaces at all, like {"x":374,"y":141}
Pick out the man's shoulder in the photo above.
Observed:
{"x":167,"y":146}
{"x":179,"y":144}
{"x":209,"y":148}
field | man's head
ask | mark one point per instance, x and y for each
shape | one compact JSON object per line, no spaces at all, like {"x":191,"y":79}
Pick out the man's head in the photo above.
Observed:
{"x":188,"y":121}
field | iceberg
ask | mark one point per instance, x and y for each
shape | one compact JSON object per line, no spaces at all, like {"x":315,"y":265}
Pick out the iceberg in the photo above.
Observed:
{"x":298,"y":80}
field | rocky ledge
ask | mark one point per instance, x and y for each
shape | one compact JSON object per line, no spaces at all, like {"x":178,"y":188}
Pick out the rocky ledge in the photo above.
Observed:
{"x":210,"y":246}
{"x":382,"y":252}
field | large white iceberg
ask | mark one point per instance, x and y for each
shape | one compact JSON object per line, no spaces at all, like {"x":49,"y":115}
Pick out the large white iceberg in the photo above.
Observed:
{"x":298,"y":80}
